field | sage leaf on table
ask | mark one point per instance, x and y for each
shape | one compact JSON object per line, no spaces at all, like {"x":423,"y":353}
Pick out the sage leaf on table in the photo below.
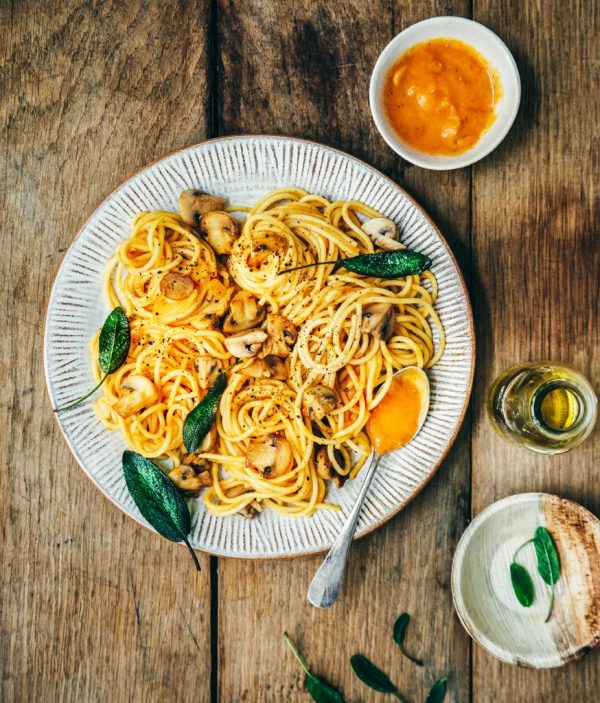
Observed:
{"x":158,"y":499}
{"x":399,"y":633}
{"x":437,"y":692}
{"x":548,"y":563}
{"x":199,"y":421}
{"x":372,"y":675}
{"x":522,"y":584}
{"x":320,"y":690}
{"x":382,"y":264}
{"x":113,"y":347}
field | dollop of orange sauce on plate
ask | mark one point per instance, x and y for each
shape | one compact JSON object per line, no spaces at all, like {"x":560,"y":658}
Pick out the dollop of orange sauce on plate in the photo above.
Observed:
{"x":440,"y":96}
{"x":395,"y":421}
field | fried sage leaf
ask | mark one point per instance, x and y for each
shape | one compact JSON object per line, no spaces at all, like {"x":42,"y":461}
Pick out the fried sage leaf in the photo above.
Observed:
{"x":113,"y":347}
{"x":382,"y":264}
{"x":399,"y":633}
{"x":437,"y":692}
{"x":522,"y":584}
{"x":372,"y":675}
{"x":199,"y":421}
{"x":548,"y":562}
{"x":320,"y":690}
{"x":158,"y":499}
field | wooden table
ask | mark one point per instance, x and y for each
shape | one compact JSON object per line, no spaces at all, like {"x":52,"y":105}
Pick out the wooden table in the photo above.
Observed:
{"x":96,"y":608}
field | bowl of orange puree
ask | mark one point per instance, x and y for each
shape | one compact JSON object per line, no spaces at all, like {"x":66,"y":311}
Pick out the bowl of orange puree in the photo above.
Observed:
{"x":445,"y":92}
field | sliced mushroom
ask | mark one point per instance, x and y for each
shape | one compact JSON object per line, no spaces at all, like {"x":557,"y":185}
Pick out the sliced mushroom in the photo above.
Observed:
{"x":176,"y":286}
{"x":209,"y":441}
{"x":245,"y":312}
{"x":207,"y":370}
{"x":326,"y":469}
{"x":251,"y":509}
{"x":282,"y":336}
{"x":142,"y":392}
{"x":220,"y":229}
{"x":270,"y":456}
{"x":245,"y":344}
{"x":190,"y":478}
{"x":379,"y":320}
{"x":318,"y":401}
{"x":383,"y":232}
{"x":263,"y":248}
{"x":269,"y":367}
{"x":194,"y":203}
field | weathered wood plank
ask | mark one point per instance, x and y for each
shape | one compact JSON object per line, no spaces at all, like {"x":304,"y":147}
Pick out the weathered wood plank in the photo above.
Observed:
{"x":94,"y":607}
{"x":535,"y":235}
{"x":303,"y":69}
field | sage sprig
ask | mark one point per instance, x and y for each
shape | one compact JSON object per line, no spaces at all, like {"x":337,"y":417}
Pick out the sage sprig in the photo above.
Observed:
{"x":372,"y":675}
{"x":398,"y":634}
{"x":199,"y":421}
{"x":113,"y":347}
{"x":320,"y":690}
{"x":437,"y":692}
{"x":382,"y":264}
{"x":548,"y":566}
{"x":158,"y":499}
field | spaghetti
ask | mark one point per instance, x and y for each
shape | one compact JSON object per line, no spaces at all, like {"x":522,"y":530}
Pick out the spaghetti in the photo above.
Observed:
{"x":331,"y":368}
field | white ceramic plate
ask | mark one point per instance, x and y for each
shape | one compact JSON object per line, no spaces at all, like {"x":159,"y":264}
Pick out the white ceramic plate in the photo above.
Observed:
{"x":243,"y":169}
{"x":483,"y":594}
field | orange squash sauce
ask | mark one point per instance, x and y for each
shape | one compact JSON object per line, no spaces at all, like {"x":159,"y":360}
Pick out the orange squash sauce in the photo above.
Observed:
{"x":395,"y":421}
{"x":440,"y":96}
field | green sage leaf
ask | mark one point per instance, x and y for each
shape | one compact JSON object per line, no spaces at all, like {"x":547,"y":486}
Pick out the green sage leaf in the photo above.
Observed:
{"x":199,"y":421}
{"x":399,"y":633}
{"x":320,"y":690}
{"x":372,"y":675}
{"x":437,"y":692}
{"x":158,"y":499}
{"x":548,"y":563}
{"x":115,"y":338}
{"x":522,"y":584}
{"x":113,"y":348}
{"x":382,"y":264}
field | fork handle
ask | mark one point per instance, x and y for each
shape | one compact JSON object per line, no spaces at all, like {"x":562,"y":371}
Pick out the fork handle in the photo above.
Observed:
{"x":326,"y":585}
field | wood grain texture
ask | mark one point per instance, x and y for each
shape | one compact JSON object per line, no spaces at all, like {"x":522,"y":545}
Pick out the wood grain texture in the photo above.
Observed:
{"x":536,"y":254}
{"x":315,"y":84}
{"x":94,"y":607}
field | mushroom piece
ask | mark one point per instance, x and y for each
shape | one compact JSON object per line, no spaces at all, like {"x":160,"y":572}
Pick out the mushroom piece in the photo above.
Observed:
{"x":383,"y":232}
{"x":379,"y":320}
{"x":325,"y":468}
{"x":142,"y":393}
{"x":220,"y":229}
{"x":270,"y":456}
{"x":209,"y":441}
{"x":269,"y":367}
{"x":207,"y":370}
{"x":245,"y":344}
{"x":263,"y":248}
{"x":190,"y":478}
{"x":176,"y":286}
{"x":282,"y":335}
{"x":194,"y":203}
{"x":251,"y":509}
{"x":245,"y":312}
{"x":318,"y":401}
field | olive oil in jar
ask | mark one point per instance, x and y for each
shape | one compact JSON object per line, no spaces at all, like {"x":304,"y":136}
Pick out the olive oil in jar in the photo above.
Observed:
{"x":547,"y":407}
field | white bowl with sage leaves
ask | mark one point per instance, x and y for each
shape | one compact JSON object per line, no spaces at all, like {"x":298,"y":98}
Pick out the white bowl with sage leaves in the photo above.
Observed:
{"x":526,"y":580}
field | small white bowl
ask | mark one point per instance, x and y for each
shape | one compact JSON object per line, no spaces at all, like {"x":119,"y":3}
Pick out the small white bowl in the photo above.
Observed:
{"x":490,"y":46}
{"x":484,"y":598}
